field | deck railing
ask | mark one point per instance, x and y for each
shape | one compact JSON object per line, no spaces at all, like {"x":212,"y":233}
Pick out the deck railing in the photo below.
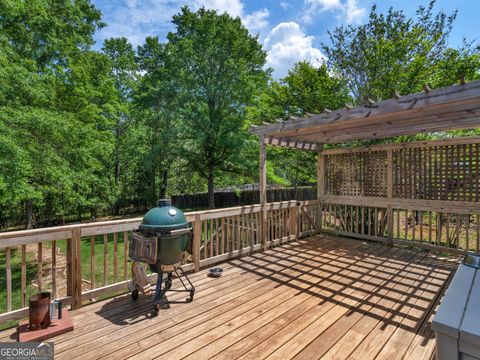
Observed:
{"x":81,"y":262}
{"x":420,"y":193}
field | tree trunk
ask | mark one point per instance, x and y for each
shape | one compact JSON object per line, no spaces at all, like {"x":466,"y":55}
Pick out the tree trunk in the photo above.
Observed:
{"x":163,"y":187}
{"x":28,"y":214}
{"x":211,"y":193}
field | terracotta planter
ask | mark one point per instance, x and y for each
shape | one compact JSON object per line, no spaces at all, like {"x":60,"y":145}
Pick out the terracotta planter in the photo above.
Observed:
{"x":39,"y":311}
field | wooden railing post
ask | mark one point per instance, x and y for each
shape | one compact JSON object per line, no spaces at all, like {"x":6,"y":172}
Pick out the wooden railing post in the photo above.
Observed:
{"x":262,"y":187}
{"x":74,"y":268}
{"x":197,"y":238}
{"x":389,"y":197}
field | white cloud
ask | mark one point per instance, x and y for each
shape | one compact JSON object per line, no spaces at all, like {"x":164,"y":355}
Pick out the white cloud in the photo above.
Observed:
{"x":348,"y":10}
{"x":256,"y":20}
{"x":253,"y":22}
{"x":353,"y":12}
{"x":233,"y":7}
{"x":287,"y":44}
{"x":285,"y":5}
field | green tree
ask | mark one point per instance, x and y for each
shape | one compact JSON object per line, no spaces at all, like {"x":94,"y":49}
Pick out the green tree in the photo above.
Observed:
{"x":156,"y":112}
{"x":124,"y":70}
{"x":457,"y":63}
{"x":57,"y":100}
{"x":218,"y":68}
{"x":391,"y":52}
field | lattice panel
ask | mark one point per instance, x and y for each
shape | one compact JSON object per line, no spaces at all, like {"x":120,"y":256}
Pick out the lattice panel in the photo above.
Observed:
{"x":356,"y":174}
{"x":437,"y":173}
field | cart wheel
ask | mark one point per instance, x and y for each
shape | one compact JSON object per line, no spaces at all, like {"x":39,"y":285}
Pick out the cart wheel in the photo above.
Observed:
{"x":190,"y":299}
{"x":168,"y":285}
{"x":134,"y":295}
{"x":156,"y":308}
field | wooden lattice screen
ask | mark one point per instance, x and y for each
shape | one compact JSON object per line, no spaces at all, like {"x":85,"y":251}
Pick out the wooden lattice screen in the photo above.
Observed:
{"x":437,"y":173}
{"x":357,"y":174}
{"x":448,"y":172}
{"x":426,"y":192}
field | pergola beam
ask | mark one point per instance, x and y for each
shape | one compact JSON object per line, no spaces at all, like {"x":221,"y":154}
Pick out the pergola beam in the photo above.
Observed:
{"x":462,"y":120}
{"x":420,"y":112}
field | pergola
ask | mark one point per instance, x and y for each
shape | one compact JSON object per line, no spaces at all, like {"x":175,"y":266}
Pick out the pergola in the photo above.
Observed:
{"x":441,"y":176}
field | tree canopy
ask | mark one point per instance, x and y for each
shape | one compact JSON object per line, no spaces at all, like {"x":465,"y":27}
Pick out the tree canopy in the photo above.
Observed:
{"x":392,"y":52}
{"x":87,"y":132}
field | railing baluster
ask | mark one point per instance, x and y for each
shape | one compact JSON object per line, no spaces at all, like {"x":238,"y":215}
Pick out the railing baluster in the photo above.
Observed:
{"x":257,"y":228}
{"x":252,"y":230}
{"x":115,"y":257}
{"x":54,"y":269}
{"x":205,"y":238}
{"x":447,"y":228}
{"x":92,"y":262}
{"x":8,"y":268}
{"x":458,"y":230}
{"x":217,"y":238}
{"x":429,"y":226}
{"x":414,"y":224}
{"x":238,"y":243}
{"x":467,"y":228}
{"x":125,"y":255}
{"x":197,"y":239}
{"x":24,"y":276}
{"x":477,"y":249}
{"x":224,"y":236}
{"x":39,"y":267}
{"x":213,"y":236}
{"x":105,"y":259}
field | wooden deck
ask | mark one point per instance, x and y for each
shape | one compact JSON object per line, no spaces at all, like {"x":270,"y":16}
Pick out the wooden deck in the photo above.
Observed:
{"x":322,"y":297}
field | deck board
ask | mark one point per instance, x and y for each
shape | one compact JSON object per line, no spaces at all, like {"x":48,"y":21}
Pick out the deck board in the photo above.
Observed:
{"x":322,"y":297}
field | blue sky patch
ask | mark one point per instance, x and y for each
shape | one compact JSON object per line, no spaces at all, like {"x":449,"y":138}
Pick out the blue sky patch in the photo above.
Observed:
{"x":290,"y":30}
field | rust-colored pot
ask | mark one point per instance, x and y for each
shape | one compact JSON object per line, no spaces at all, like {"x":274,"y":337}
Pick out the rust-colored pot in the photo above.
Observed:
{"x":39,"y":311}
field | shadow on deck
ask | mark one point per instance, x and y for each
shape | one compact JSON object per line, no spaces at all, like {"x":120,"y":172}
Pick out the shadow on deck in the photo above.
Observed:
{"x":321,"y":297}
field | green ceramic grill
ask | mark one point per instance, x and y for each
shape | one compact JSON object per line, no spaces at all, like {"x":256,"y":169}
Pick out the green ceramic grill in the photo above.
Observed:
{"x":161,"y":241}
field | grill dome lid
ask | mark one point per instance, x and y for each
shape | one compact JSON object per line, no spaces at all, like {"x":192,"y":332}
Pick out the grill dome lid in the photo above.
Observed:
{"x":163,"y":217}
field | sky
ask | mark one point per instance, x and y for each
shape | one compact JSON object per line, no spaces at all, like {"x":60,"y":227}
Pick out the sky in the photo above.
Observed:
{"x":290,"y":30}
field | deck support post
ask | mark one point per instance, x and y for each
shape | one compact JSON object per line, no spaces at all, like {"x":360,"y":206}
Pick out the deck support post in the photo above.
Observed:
{"x":74,"y":269}
{"x":320,"y":185}
{"x":262,"y":188}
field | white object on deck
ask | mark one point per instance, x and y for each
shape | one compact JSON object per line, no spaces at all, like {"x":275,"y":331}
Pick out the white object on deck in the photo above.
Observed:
{"x":457,"y":322}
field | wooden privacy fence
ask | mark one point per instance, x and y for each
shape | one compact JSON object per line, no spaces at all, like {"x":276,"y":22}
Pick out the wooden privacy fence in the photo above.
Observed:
{"x":423,"y":193}
{"x":244,"y":197}
{"x":77,"y":263}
